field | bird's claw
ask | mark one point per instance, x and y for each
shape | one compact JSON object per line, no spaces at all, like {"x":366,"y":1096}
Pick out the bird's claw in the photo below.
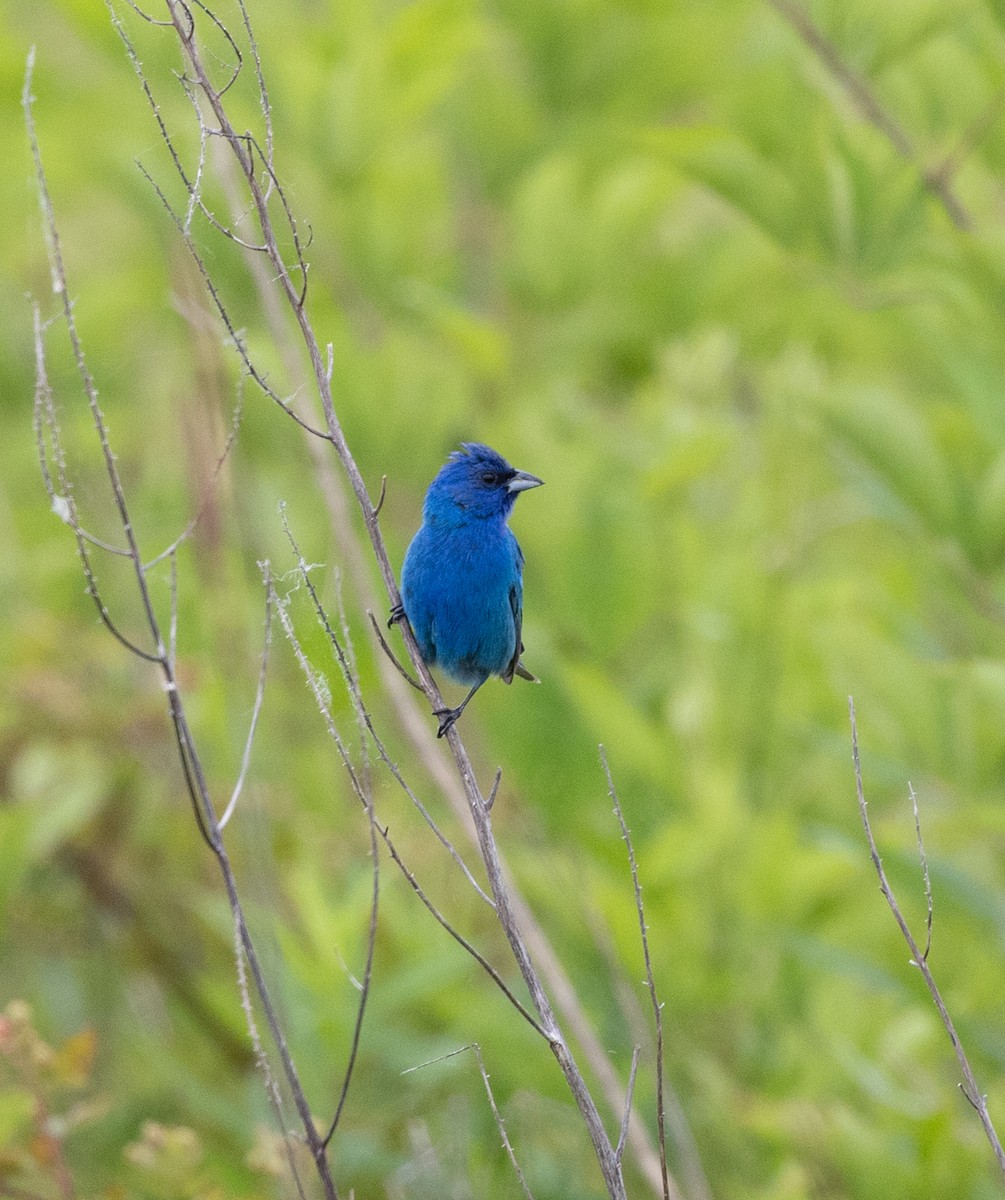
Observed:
{"x":449,"y":716}
{"x":397,"y":614}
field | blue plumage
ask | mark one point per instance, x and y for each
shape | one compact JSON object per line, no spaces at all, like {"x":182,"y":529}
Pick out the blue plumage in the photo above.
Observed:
{"x":461,"y":584}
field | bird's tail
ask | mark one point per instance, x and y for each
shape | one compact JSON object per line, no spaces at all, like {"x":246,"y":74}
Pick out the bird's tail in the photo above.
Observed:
{"x":522,"y":671}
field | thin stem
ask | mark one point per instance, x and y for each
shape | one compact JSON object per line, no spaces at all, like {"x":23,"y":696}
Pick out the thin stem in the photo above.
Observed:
{"x":497,"y":1116}
{"x":500,"y":1123}
{"x":259,"y":696}
{"x":352,"y":686}
{"x":247,"y":156}
{"x":364,"y":990}
{"x":390,"y":653}
{"x":262,"y":1059}
{"x":937,"y":181}
{"x":923,"y":859}
{"x":321,"y":700}
{"x":969,"y":1086}
{"x":657,"y":1006}
{"x":195,"y":780}
{"x":626,"y":1120}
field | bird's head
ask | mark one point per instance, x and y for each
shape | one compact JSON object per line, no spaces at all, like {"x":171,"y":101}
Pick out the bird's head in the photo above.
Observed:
{"x":477,"y":482}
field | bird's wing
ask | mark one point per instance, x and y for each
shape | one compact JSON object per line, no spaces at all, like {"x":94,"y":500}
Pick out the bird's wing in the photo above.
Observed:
{"x":516,"y":607}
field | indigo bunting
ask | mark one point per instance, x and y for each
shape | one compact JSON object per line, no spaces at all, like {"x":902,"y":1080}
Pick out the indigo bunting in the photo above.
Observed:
{"x":461,"y":583}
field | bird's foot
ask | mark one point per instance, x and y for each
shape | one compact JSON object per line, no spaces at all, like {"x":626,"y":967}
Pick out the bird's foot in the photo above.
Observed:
{"x":447,"y":718}
{"x":397,"y":614}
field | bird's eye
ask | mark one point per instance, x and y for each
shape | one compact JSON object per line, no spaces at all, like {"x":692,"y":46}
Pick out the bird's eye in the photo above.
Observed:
{"x":489,"y":478}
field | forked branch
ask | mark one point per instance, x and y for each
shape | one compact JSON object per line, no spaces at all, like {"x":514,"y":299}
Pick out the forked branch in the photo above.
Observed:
{"x":657,"y":1005}
{"x":919,"y":958}
{"x":161,"y":654}
{"x":249,"y":161}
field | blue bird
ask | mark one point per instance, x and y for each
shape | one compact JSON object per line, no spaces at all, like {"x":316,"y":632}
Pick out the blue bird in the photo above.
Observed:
{"x":461,"y":583}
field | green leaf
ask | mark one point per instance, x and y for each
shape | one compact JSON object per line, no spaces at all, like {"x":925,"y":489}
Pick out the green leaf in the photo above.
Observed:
{"x":891,"y":436}
{"x":614,"y":720}
{"x":62,"y":787}
{"x":989,"y":506}
{"x":736,"y":172}
{"x":17,"y":1111}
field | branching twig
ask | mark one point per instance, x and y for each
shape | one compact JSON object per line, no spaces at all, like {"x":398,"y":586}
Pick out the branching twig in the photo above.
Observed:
{"x":321,"y":700}
{"x":458,"y":786}
{"x":938,"y":180}
{"x":629,"y":1094}
{"x":262,"y":1059}
{"x":497,"y":1116}
{"x":264,"y":191}
{"x":161,"y":655}
{"x":923,"y":858}
{"x":650,"y":981}
{"x":969,"y":1086}
{"x":390,"y":653}
{"x":45,"y":410}
{"x":363,"y":714}
{"x":366,"y":799}
{"x":463,"y":942}
{"x":190,"y":528}
{"x":257,"y":709}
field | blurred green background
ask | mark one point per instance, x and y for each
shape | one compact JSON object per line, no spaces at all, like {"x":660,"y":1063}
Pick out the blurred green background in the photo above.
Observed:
{"x":652,"y":251}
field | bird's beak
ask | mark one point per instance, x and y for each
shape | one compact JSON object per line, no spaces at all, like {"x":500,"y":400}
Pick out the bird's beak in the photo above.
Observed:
{"x":521,"y":481}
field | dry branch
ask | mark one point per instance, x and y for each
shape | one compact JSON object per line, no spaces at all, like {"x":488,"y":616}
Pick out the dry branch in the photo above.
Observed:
{"x":938,"y":181}
{"x":283,"y":289}
{"x":657,"y":1006}
{"x":161,"y":655}
{"x":969,"y":1085}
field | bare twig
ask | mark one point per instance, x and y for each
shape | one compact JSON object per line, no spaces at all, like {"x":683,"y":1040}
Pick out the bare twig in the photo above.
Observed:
{"x":462,"y":941}
{"x":650,"y":980}
{"x":195,"y":779}
{"x":969,"y":1086}
{"x":364,"y":986}
{"x":262,"y":1059}
{"x":180,"y":13}
{"x":938,"y":180}
{"x":497,"y":1116}
{"x":364,"y":790}
{"x":383,"y":483}
{"x":619,"y":1150}
{"x":259,"y":696}
{"x":275,"y":275}
{"x":490,"y":799}
{"x":352,"y":686}
{"x":353,"y":673}
{"x":360,"y":785}
{"x":390,"y":653}
{"x":173,"y":619}
{"x":694,"y":1182}
{"x":235,"y":337}
{"x":500,"y":1124}
{"x":318,"y":690}
{"x":45,"y":409}
{"x":923,"y":859}
{"x":210,"y":487}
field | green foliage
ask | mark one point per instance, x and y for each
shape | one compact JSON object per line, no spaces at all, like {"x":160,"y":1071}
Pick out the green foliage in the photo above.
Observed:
{"x":655,"y":253}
